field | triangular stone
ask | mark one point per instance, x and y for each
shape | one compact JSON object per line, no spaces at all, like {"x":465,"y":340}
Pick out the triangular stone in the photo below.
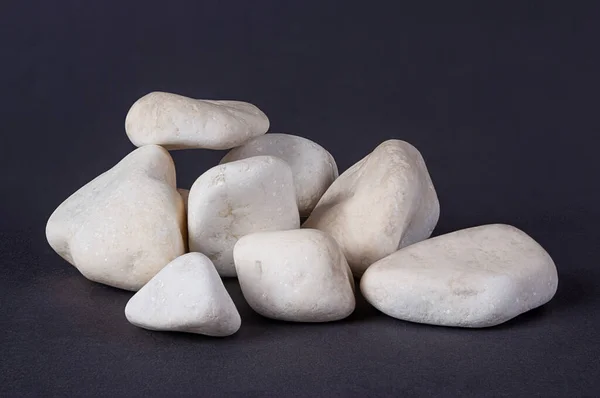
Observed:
{"x":185,"y":296}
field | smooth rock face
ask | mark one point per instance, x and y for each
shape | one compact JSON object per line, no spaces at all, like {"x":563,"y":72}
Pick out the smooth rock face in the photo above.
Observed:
{"x":314,"y":168}
{"x":299,"y":275}
{"x":185,"y":296}
{"x":474,"y":277}
{"x":384,"y":202}
{"x":177,"y":122}
{"x":234,"y":199}
{"x":124,"y":226}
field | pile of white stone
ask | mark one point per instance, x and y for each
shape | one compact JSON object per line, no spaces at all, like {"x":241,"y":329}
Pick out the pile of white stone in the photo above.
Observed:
{"x":131,"y":228}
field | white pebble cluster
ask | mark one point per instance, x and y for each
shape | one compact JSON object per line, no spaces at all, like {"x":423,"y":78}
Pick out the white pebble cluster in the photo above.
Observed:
{"x":132,"y":228}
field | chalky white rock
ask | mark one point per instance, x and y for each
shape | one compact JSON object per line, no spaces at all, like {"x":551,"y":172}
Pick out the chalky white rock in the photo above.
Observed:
{"x":177,"y":122}
{"x":124,"y":226}
{"x":298,"y":275}
{"x":476,"y":277}
{"x":185,"y":296}
{"x":314,"y":168}
{"x":384,"y":202}
{"x":238,"y":198}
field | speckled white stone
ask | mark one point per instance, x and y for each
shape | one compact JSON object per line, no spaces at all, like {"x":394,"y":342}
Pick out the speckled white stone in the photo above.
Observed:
{"x":474,"y":277}
{"x":234,"y":199}
{"x":185,"y":296}
{"x":314,"y":168}
{"x":177,"y":122}
{"x":299,"y":275}
{"x":124,"y":226}
{"x":384,"y":202}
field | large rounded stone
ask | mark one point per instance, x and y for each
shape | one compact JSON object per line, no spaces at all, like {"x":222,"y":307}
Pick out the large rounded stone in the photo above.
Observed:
{"x":474,"y":277}
{"x":124,"y":226}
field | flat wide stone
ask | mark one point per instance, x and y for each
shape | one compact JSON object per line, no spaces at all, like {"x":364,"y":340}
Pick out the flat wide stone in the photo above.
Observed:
{"x":474,"y":277}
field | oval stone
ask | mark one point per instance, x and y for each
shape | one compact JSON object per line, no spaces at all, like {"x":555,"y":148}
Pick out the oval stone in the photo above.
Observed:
{"x":177,"y":122}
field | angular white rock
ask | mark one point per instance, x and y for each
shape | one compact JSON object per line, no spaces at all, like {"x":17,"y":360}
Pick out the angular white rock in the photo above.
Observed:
{"x":474,"y":277}
{"x":185,"y":296}
{"x":238,"y":198}
{"x":384,"y":202}
{"x":299,"y":275}
{"x":124,"y":226}
{"x":177,"y":122}
{"x":313,"y":167}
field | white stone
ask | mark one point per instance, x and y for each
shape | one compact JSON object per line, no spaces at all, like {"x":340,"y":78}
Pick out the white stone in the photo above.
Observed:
{"x":185,"y":296}
{"x":384,"y":202}
{"x":124,"y":226}
{"x":234,"y":199}
{"x":299,"y":275}
{"x":313,"y":167}
{"x":474,"y":277}
{"x":178,"y":122}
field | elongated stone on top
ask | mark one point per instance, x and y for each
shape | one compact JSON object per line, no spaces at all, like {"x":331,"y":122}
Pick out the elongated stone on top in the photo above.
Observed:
{"x":177,"y":122}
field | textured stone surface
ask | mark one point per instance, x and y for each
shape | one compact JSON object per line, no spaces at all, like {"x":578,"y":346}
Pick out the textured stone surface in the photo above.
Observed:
{"x":314,"y":168}
{"x":234,"y":199}
{"x":384,"y":202}
{"x":475,"y":277}
{"x":178,"y":122}
{"x":121,"y":228}
{"x":299,"y":275}
{"x":185,"y":296}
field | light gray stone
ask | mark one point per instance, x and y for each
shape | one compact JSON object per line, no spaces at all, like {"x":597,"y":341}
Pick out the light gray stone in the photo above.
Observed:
{"x":299,"y":275}
{"x":384,"y":202}
{"x":178,"y":122}
{"x":314,"y":168}
{"x":124,"y":226}
{"x":185,"y":296}
{"x":238,"y":198}
{"x":475,"y":277}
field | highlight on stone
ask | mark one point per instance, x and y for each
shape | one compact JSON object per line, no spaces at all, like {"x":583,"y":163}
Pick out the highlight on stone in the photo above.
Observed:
{"x":132,"y":228}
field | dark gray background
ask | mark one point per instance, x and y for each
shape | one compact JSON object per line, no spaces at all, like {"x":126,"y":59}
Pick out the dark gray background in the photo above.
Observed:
{"x":502,"y":103}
